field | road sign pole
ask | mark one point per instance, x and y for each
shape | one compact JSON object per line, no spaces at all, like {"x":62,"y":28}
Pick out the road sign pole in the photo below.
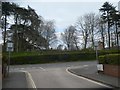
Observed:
{"x":96,"y":54}
{"x":9,"y":49}
{"x":9,"y":63}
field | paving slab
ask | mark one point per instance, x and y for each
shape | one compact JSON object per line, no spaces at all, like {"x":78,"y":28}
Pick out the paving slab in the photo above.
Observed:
{"x":15,"y":80}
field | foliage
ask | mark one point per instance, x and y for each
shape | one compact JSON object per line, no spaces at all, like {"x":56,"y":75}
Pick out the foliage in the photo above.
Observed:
{"x":87,"y":28}
{"x":110,"y":16}
{"x":49,"y":33}
{"x":26,"y":30}
{"x":113,"y":59}
{"x":50,"y":56}
{"x":70,"y":38}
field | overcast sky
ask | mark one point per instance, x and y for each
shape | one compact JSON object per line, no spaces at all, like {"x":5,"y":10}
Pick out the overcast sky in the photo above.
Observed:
{"x":63,"y":12}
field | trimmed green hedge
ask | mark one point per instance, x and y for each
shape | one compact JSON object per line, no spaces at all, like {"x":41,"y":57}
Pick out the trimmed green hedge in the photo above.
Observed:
{"x":30,"y":58}
{"x":111,"y":51}
{"x":45,"y":56}
{"x":113,"y":59}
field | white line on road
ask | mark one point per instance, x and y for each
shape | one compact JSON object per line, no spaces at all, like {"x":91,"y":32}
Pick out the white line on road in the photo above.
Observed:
{"x":42,"y":68}
{"x":87,"y":79}
{"x":31,"y":80}
{"x":85,"y":65}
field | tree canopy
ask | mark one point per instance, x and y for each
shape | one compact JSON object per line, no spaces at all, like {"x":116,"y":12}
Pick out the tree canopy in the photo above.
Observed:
{"x":26,"y":29}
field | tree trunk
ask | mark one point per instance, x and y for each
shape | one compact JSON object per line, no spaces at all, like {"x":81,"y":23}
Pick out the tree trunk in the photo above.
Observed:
{"x":117,"y":34}
{"x":103,"y":40}
{"x":108,"y":35}
{"x":92,"y":40}
{"x":85,"y":41}
{"x":108,"y":30}
{"x":4,"y":42}
{"x":17,"y":34}
{"x":76,"y":46}
{"x":92,"y":36}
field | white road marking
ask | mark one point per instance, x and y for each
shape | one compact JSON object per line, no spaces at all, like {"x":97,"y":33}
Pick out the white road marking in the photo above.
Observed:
{"x":87,"y":79}
{"x":27,"y":68}
{"x":85,"y":65}
{"x":31,"y":80}
{"x":42,"y":68}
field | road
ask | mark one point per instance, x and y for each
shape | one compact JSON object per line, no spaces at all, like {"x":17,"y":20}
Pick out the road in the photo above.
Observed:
{"x":56,"y":75}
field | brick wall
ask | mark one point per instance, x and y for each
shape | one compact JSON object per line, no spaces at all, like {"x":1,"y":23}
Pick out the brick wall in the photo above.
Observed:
{"x":112,"y":70}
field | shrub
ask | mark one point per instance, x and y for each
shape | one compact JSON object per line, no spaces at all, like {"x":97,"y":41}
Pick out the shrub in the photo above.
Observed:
{"x":111,"y":51}
{"x":113,"y":59}
{"x":34,"y":58}
{"x":45,"y":56}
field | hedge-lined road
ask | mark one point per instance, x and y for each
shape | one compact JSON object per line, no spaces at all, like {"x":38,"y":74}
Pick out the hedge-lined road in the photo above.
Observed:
{"x":56,"y":75}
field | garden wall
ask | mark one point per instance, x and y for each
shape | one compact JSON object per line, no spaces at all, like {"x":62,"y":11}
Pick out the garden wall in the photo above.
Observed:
{"x":113,"y":70}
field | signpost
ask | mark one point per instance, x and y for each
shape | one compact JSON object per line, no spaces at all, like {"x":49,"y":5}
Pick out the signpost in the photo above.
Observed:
{"x":9,"y":49}
{"x":9,"y":46}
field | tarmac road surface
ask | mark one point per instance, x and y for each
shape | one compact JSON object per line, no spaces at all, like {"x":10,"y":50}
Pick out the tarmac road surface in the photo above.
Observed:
{"x":56,"y":75}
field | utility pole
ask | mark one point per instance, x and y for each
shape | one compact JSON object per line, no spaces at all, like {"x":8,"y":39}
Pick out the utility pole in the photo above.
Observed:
{"x":96,"y":49}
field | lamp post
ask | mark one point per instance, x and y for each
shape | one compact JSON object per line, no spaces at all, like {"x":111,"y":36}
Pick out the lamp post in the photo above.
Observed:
{"x":96,"y":50}
{"x":96,"y":47}
{"x":99,"y":66}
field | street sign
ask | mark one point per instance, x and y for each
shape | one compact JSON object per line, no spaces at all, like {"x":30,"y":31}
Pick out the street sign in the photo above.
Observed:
{"x":96,"y":43}
{"x":10,"y":49}
{"x":10,"y":46}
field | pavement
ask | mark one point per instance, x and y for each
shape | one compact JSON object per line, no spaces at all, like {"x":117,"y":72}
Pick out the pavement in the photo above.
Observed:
{"x":91,"y":73}
{"x":15,"y":80}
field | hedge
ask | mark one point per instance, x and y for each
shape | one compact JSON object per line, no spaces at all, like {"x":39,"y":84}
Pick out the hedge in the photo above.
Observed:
{"x":47,"y":58}
{"x":113,"y":59}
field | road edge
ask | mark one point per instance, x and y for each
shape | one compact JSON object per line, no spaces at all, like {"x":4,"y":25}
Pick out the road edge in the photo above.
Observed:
{"x":82,"y":76}
{"x":30,"y":82}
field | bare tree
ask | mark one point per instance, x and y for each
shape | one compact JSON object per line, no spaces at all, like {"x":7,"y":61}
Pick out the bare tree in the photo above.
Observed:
{"x":101,"y":26}
{"x":87,"y":27}
{"x":70,"y":38}
{"x":83,"y":27}
{"x":49,"y":33}
{"x":92,"y":23}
